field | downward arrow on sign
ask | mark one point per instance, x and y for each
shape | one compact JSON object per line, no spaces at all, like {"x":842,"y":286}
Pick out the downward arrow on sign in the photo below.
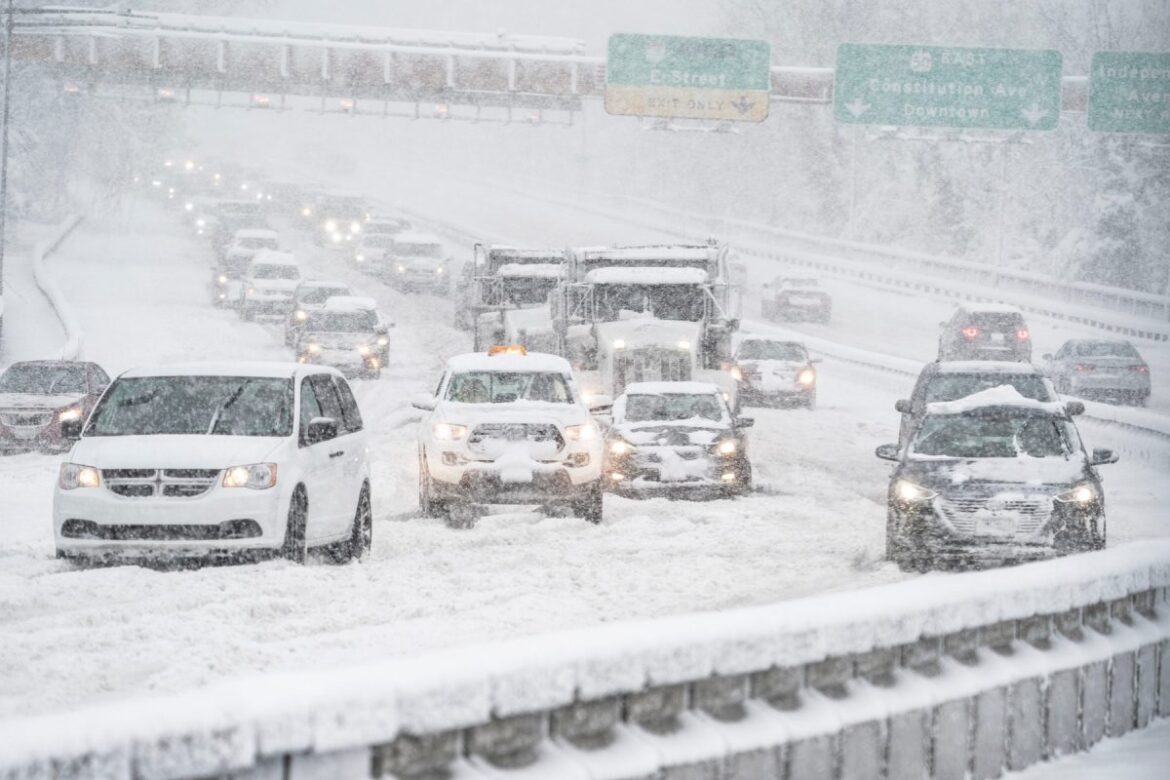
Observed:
{"x":743,"y":105}
{"x":857,"y":107}
{"x":1033,"y":113}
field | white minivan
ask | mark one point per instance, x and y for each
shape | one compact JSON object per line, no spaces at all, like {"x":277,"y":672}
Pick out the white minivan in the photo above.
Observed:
{"x":217,"y":460}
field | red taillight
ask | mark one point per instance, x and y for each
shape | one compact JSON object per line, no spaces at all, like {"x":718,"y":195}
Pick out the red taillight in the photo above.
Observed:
{"x":1022,"y":334}
{"x":1141,"y":369}
{"x":970,"y":333}
{"x":1084,"y":367}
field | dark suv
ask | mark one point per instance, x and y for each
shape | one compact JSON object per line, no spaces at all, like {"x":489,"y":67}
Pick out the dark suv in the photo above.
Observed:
{"x":950,"y":381}
{"x":985,"y":332}
{"x":994,"y":476}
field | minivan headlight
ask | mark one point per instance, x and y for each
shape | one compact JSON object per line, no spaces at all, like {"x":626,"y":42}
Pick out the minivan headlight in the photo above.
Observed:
{"x":75,"y":476}
{"x":257,"y":476}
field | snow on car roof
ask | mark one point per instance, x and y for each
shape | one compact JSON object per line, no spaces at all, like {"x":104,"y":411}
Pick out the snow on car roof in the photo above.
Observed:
{"x":533,"y":361}
{"x":991,"y":308}
{"x":1003,"y":396}
{"x":646,"y":275}
{"x":666,"y":388}
{"x":258,"y":369}
{"x":272,"y":257}
{"x":987,"y":367}
{"x":350,"y":303}
{"x":543,"y":270}
{"x":417,"y":237}
{"x":255,"y":233}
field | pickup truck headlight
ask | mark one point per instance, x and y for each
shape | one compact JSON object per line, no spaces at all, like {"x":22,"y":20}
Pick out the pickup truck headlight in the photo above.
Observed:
{"x":620,"y":447}
{"x":1080,"y":495}
{"x":222,"y":278}
{"x":257,"y":476}
{"x":313,"y":348}
{"x":737,"y":373}
{"x":912,"y":494}
{"x":807,"y":377}
{"x":726,"y":447}
{"x":383,"y":341}
{"x":364,"y":350}
{"x":70,"y":414}
{"x":301,"y":315}
{"x":448,"y":431}
{"x":75,"y":476}
{"x":586,"y":432}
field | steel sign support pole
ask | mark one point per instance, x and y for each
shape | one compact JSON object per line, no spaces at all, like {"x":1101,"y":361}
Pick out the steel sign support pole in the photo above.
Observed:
{"x":4,"y":136}
{"x":852,"y":182}
{"x":1003,"y":193}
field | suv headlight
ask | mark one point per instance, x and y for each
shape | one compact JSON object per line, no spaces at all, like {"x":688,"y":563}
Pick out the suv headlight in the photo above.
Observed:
{"x":726,"y":447}
{"x":258,"y":476}
{"x":69,"y":415}
{"x":1080,"y":495}
{"x":75,"y":476}
{"x":910,"y":493}
{"x":586,"y":432}
{"x":448,"y":431}
{"x":807,"y":377}
{"x":364,"y":350}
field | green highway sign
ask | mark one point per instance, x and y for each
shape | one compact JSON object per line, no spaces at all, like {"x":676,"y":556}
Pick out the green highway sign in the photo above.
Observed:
{"x":1129,"y":92}
{"x":693,"y":78}
{"x":942,"y":86}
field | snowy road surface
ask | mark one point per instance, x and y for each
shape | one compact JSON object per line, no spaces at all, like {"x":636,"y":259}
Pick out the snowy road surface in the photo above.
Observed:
{"x":815,"y":523}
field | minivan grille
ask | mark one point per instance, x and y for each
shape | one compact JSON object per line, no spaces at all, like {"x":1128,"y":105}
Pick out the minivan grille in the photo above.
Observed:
{"x":166,"y":483}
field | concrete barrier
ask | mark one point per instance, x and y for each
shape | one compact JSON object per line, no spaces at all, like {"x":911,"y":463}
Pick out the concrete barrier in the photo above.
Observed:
{"x":941,"y":676}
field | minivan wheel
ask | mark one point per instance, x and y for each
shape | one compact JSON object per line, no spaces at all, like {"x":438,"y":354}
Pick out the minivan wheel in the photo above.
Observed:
{"x":294,"y":548}
{"x":362,"y":533}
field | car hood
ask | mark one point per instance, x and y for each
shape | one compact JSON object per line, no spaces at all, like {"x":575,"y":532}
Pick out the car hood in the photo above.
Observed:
{"x":31,"y":401}
{"x":941,"y":474}
{"x":673,"y":433}
{"x":517,"y":412}
{"x":649,"y":332}
{"x":173,"y":452}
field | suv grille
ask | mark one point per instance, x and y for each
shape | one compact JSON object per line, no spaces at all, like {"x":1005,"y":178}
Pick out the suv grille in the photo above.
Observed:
{"x":1032,"y":513}
{"x":26,"y":419}
{"x":167,"y":483}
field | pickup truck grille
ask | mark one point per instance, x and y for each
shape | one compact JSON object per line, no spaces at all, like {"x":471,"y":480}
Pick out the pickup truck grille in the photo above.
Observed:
{"x":165,"y":483}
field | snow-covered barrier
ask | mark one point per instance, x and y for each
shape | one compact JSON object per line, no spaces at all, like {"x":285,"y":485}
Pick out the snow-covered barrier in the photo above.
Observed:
{"x":71,"y":350}
{"x":941,"y":676}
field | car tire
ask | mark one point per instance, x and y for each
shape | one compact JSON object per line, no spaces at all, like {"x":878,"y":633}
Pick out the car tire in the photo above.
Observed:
{"x":246,"y":313}
{"x":428,"y":505}
{"x":589,"y":506}
{"x":361,"y":537}
{"x":745,"y":479}
{"x":295,"y":548}
{"x":810,"y":403}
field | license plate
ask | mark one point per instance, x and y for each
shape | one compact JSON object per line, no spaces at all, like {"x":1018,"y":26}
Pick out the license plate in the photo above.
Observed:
{"x":996,"y":524}
{"x":997,"y":338}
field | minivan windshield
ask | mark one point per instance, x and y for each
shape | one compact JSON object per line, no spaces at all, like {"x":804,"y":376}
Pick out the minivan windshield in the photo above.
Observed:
{"x":195,"y":405}
{"x":991,"y":436}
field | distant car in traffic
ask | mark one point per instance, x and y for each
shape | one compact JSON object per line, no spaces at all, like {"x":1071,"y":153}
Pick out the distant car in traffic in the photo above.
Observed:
{"x":386,"y":225}
{"x":247,"y":242}
{"x":775,"y":371}
{"x":418,"y":261}
{"x":38,"y":397}
{"x":340,"y":219}
{"x":1108,"y":369}
{"x":985,"y":331}
{"x":676,"y":438}
{"x":373,"y":251}
{"x":309,"y":296}
{"x":217,"y":461}
{"x":994,"y":476}
{"x":348,"y":334}
{"x":952,"y":380}
{"x":269,"y":284}
{"x":796,"y":299}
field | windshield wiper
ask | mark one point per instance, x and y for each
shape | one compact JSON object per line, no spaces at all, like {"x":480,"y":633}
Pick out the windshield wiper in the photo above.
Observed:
{"x":224,"y":407}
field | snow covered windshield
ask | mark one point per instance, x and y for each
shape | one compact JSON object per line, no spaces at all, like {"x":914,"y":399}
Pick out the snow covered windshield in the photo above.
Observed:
{"x":771,"y":350}
{"x":257,"y":243}
{"x":673,"y":406}
{"x":195,"y":405}
{"x":275,"y":272}
{"x":991,"y":436}
{"x":521,"y":290}
{"x":1106,"y":349}
{"x":952,"y":387}
{"x":321,"y":294}
{"x":684,"y":302}
{"x":342,"y":321}
{"x":43,"y":379}
{"x":491,"y":387}
{"x":418,"y":250}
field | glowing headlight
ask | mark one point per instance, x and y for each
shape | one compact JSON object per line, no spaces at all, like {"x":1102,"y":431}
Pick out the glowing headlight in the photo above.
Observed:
{"x":306,"y":212}
{"x":251,"y":291}
{"x":401,"y":269}
{"x":189,"y":165}
{"x":336,"y":238}
{"x":74,"y":476}
{"x":448,"y":431}
{"x":383,"y":341}
{"x":359,"y":257}
{"x":727,"y":447}
{"x":619,"y":343}
{"x":301,"y":315}
{"x":201,"y":222}
{"x":313,"y":348}
{"x":364,"y":350}
{"x":909,"y":492}
{"x":807,"y":377}
{"x":68,"y":415}
{"x":439,"y":270}
{"x":585,"y":432}
{"x":258,"y":476}
{"x":1081,"y":494}
{"x":223,"y":278}
{"x":736,"y":374}
{"x":188,"y":206}
{"x":355,"y":227}
{"x":155,"y":183}
{"x":331,"y":225}
{"x":684,"y":345}
{"x":620,"y":447}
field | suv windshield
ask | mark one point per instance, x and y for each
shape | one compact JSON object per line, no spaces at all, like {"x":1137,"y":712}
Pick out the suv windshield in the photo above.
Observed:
{"x":771,"y":350}
{"x":673,"y":406}
{"x":952,"y":387}
{"x":686,"y":302}
{"x":991,"y":436}
{"x":320,"y":294}
{"x":342,"y":321}
{"x":275,"y":272}
{"x":195,"y":405}
{"x":491,"y":387}
{"x":43,"y":379}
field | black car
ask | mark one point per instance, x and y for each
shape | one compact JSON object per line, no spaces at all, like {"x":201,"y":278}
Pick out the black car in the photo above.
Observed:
{"x":794,"y":299}
{"x":995,"y":476}
{"x":985,"y":332}
{"x":676,"y":439}
{"x":950,"y":381}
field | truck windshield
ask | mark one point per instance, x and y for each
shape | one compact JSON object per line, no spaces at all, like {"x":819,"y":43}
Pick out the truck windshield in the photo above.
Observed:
{"x":673,"y":406}
{"x":43,"y":379}
{"x":492,"y":387}
{"x":685,"y":302}
{"x":378,"y":240}
{"x":982,"y":436}
{"x":195,"y":405}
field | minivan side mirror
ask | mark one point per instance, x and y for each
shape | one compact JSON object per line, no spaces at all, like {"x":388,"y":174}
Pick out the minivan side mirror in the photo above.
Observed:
{"x":71,"y":430}
{"x":1073,"y":408}
{"x":1102,"y":457}
{"x":321,"y":429}
{"x":902,"y":405}
{"x":424,"y":401}
{"x":887,"y":452}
